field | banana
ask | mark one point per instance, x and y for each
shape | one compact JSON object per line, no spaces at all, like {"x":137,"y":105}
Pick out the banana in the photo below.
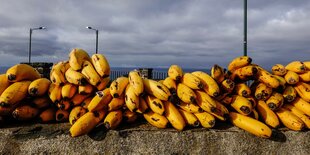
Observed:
{"x":282,"y":82}
{"x":131,"y":99}
{"x":155,"y":104}
{"x":170,"y":84}
{"x":307,"y":64}
{"x":254,"y":114}
{"x":226,"y":99}
{"x":42,"y":102}
{"x":267,"y":78}
{"x":278,"y":69}
{"x":239,"y":62}
{"x":39,"y":87}
{"x":118,"y":86}
{"x":267,"y":115}
{"x":242,"y":89}
{"x":103,"y":83}
{"x":228,"y":85}
{"x":142,"y":106}
{"x":4,"y":83}
{"x":291,"y":77}
{"x":262,"y":92}
{"x":275,"y":101}
{"x":68,"y":91}
{"x":250,"y":125}
{"x":78,"y":99}
{"x":290,"y":120}
{"x":25,"y":112}
{"x":57,"y":74}
{"x":86,"y":89}
{"x":210,"y":85}
{"x":217,"y":73}
{"x":54,"y":92}
{"x":174,"y":116}
{"x":14,"y":93}
{"x":296,"y":66}
{"x":76,"y":113}
{"x":186,"y":94}
{"x":289,"y":94}
{"x":305,"y":77}
{"x":192,"y":81}
{"x":221,"y":112}
{"x":206,"y":120}
{"x":75,"y":77}
{"x":113,"y":119}
{"x":22,"y":72}
{"x":100,"y":101}
{"x":253,"y":101}
{"x":175,"y":72}
{"x":90,"y":73}
{"x":87,"y":122}
{"x":206,"y":102}
{"x":303,"y":90}
{"x":62,"y":115}
{"x":190,"y":107}
{"x":302,"y":105}
{"x":189,"y":118}
{"x":241,"y":105}
{"x":77,"y":57}
{"x":155,"y":119}
{"x":305,"y":118}
{"x":156,"y":89}
{"x":244,"y":73}
{"x":47,"y":115}
{"x":116,"y":103}
{"x":135,"y":80}
{"x":101,"y":65}
{"x":86,"y":102}
{"x":129,"y":116}
{"x":64,"y":105}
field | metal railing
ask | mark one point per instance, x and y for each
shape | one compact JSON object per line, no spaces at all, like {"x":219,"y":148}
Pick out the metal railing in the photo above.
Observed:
{"x":156,"y":75}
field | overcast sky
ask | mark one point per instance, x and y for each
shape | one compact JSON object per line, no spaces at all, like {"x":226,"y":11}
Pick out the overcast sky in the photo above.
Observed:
{"x":156,"y":33}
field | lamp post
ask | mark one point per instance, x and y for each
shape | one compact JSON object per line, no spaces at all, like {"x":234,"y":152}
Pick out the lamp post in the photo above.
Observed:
{"x":88,"y":27}
{"x":245,"y":52}
{"x":30,"y":35}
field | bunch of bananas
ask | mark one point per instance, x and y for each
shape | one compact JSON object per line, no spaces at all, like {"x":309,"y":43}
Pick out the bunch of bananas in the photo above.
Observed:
{"x":23,"y":95}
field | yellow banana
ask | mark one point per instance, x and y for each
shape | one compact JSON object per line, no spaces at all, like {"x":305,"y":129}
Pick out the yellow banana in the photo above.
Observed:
{"x":78,"y":99}
{"x":206,"y":120}
{"x":14,"y":93}
{"x":267,"y":78}
{"x":64,"y":104}
{"x":62,"y":115}
{"x":241,"y":105}
{"x":305,"y":77}
{"x":253,"y":101}
{"x":77,"y":57}
{"x":242,"y":89}
{"x":290,"y":120}
{"x":100,"y":101}
{"x":76,"y":113}
{"x":239,"y":62}
{"x":303,"y":90}
{"x":217,"y":73}
{"x":90,"y":73}
{"x":190,"y":107}
{"x":254,"y":114}
{"x":116,"y":103}
{"x":118,"y":86}
{"x":47,"y":115}
{"x":113,"y":119}
{"x":278,"y":69}
{"x":227,"y":85}
{"x":206,"y":102}
{"x":192,"y":81}
{"x":42,"y":102}
{"x":103,"y":83}
{"x":210,"y":85}
{"x":131,"y":99}
{"x":68,"y":90}
{"x":174,"y":116}
{"x":305,"y":118}
{"x":296,"y":66}
{"x":39,"y":87}
{"x":4,"y":83}
{"x":155,"y":119}
{"x":129,"y":116}
{"x":135,"y":80}
{"x":289,"y":94}
{"x":101,"y":65}
{"x":156,"y":89}
{"x":291,"y":77}
{"x":57,"y":74}
{"x":155,"y":104}
{"x":221,"y":112}
{"x":282,"y":82}
{"x":262,"y":92}
{"x":54,"y":92}
{"x":170,"y":84}
{"x":189,"y":118}
{"x":22,"y":72}
{"x":86,"y":102}
{"x":142,"y":106}
{"x":86,"y":123}
{"x":275,"y":101}
{"x":302,"y":105}
{"x":307,"y":64}
{"x":267,"y":115}
{"x":25,"y":112}
{"x":75,"y":77}
{"x":244,"y":73}
{"x":186,"y":94}
{"x":250,"y":125}
{"x":86,"y":89}
{"x":175,"y":72}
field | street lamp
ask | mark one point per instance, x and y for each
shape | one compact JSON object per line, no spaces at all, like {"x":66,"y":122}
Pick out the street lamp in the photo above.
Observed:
{"x":245,"y":48}
{"x":88,"y":27}
{"x":30,"y":34}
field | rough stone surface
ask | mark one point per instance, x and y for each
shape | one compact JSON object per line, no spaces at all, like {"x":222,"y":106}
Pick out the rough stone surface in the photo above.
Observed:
{"x":145,"y":139}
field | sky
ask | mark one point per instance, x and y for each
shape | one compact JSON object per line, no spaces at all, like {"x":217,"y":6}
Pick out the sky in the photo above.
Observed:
{"x":156,"y":33}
